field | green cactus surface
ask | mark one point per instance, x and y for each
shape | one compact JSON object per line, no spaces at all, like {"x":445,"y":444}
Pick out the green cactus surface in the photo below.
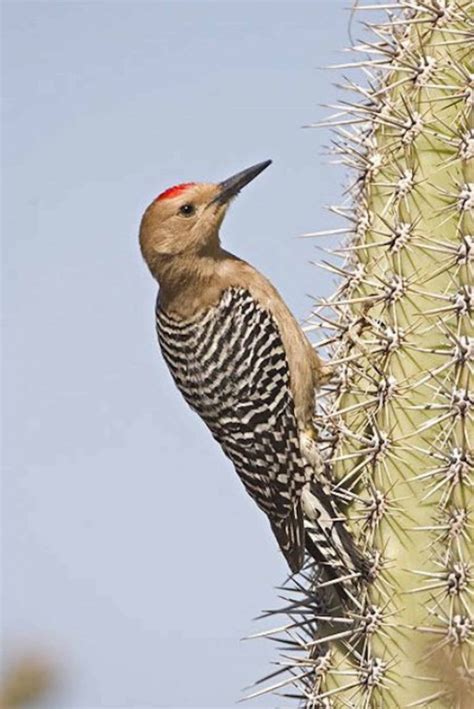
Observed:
{"x":395,"y":424}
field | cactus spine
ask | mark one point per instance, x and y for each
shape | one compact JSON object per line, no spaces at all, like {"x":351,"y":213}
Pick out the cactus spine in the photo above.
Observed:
{"x":396,"y":424}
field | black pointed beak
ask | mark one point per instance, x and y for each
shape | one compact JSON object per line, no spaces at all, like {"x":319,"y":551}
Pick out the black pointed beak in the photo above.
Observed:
{"x":232,"y":186}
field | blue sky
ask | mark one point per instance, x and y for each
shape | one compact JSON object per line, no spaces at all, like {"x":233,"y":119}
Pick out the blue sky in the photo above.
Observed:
{"x":131,"y":552}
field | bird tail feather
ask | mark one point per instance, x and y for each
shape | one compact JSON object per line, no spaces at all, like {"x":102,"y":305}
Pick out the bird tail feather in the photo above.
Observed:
{"x":330,"y":543}
{"x":290,"y":534}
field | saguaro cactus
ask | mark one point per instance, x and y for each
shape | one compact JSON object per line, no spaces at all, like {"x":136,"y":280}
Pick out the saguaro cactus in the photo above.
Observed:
{"x":396,"y":424}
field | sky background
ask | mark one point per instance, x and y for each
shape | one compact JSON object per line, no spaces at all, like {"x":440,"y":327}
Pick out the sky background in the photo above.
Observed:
{"x":130,"y":550}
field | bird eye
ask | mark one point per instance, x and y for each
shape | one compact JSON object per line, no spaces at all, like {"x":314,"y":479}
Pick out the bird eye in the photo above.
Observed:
{"x":187,"y":209}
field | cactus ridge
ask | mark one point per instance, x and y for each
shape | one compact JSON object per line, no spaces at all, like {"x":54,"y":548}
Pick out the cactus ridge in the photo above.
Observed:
{"x":395,"y":424}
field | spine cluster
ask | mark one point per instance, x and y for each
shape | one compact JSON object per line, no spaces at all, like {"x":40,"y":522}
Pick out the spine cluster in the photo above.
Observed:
{"x":395,"y":425}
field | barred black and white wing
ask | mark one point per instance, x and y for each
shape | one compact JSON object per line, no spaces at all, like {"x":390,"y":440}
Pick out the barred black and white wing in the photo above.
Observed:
{"x":230,"y":365}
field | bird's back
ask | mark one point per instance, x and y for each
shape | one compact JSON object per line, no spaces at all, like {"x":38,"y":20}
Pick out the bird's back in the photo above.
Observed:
{"x":230,"y":364}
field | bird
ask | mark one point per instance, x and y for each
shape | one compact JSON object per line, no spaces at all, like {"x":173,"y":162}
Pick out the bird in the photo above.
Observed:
{"x":243,"y":364}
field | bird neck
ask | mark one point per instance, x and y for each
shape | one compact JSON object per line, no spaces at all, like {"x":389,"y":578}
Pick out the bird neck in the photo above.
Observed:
{"x":190,"y":282}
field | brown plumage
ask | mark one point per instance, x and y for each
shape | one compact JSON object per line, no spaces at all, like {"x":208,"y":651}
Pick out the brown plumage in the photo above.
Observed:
{"x":261,"y":408}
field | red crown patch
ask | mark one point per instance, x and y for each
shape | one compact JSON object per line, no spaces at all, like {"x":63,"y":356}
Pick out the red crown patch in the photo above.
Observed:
{"x":174,"y":191}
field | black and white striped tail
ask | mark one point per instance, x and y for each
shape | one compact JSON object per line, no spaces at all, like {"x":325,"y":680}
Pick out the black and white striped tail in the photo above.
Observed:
{"x":330,"y":543}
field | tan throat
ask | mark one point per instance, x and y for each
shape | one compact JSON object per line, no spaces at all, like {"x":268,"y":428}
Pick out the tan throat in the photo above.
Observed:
{"x":190,"y":283}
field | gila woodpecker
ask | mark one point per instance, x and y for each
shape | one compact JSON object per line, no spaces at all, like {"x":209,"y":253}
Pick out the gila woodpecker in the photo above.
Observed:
{"x":242,"y":362}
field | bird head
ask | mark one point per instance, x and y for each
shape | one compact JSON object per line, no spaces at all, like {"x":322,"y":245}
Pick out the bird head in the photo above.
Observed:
{"x":184,"y":220}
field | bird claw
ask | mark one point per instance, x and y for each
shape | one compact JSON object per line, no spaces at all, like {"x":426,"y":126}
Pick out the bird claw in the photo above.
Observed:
{"x":326,"y":373}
